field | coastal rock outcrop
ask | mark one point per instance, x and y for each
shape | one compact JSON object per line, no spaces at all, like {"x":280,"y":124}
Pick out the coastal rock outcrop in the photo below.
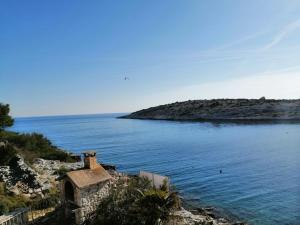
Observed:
{"x":185,"y":217}
{"x":20,"y":178}
{"x":224,"y":110}
{"x":48,"y":168}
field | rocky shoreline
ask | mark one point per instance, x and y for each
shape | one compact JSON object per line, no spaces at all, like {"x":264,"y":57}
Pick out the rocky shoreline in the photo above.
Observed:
{"x":224,"y":110}
{"x":43,"y":177}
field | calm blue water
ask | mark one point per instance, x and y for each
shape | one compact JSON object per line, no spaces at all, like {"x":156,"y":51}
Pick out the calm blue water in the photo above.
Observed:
{"x":260,"y":182}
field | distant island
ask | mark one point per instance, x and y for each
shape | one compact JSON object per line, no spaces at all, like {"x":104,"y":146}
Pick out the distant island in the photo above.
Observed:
{"x":223,"y":110}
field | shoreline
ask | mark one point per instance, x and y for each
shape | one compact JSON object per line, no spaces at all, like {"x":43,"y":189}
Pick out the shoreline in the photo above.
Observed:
{"x":216,"y":212}
{"x":223,"y":121}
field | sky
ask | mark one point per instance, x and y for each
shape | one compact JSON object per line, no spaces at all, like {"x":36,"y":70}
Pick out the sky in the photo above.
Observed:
{"x":61,"y":57}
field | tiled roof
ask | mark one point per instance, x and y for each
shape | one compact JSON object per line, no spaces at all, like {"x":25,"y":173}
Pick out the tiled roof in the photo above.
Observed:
{"x":86,"y":177}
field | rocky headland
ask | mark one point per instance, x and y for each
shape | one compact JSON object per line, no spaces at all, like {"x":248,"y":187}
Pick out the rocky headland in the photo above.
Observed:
{"x":223,"y":110}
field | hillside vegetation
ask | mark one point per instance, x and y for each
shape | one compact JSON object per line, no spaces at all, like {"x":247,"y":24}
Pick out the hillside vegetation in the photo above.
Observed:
{"x":29,"y":146}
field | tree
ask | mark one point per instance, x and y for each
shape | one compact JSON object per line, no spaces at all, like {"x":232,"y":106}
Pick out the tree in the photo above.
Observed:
{"x":5,"y":119}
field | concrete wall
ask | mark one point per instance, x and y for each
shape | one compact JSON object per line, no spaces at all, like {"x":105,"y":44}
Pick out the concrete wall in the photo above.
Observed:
{"x":156,"y":179}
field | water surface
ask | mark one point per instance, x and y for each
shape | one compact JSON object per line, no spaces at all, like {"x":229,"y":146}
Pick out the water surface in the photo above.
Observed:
{"x":260,"y":182}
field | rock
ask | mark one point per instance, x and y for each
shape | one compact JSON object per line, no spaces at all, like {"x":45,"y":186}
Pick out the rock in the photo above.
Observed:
{"x":185,"y":217}
{"x":222,"y":220}
{"x":47,"y":176}
{"x":209,"y":209}
{"x":33,"y":195}
{"x":15,"y":191}
{"x":3,"y":144}
{"x":108,"y":167}
{"x":6,"y":175}
{"x":20,"y":178}
{"x":49,"y":167}
{"x":46,"y":187}
{"x":212,"y":215}
{"x":28,"y":196}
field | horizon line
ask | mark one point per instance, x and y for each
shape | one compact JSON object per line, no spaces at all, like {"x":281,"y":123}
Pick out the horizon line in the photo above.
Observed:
{"x":61,"y":115}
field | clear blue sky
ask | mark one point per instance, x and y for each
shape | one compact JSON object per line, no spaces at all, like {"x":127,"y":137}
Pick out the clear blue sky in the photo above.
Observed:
{"x":71,"y":57}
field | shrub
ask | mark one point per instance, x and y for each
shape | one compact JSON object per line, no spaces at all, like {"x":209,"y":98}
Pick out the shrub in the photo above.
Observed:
{"x":61,"y":171}
{"x":44,"y":203}
{"x":7,"y":153}
{"x":9,"y":203}
{"x":50,"y":200}
{"x":3,"y":208}
{"x":2,"y":188}
{"x":136,"y":203}
{"x":35,"y":145}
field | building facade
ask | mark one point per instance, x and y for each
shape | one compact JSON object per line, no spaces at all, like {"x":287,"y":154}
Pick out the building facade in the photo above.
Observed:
{"x":82,"y":190}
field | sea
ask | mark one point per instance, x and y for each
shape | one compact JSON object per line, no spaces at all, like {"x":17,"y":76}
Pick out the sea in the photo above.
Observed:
{"x":246,"y":171}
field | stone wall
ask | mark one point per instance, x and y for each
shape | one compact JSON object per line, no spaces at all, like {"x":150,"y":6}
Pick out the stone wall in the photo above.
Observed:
{"x":90,"y":198}
{"x":87,"y":199}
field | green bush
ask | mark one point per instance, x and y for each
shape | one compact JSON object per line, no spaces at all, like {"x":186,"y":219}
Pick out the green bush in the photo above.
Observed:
{"x":136,"y":203}
{"x":35,"y":145}
{"x":9,"y":203}
{"x":61,"y":171}
{"x":44,"y":203}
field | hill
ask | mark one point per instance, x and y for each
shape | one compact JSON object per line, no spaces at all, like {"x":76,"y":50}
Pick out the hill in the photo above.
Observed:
{"x":223,"y":110}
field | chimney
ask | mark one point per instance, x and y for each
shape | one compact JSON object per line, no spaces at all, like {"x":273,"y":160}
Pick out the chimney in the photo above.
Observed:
{"x":90,"y":161}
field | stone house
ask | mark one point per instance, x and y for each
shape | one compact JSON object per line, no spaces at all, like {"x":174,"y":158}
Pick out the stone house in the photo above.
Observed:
{"x":82,"y":190}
